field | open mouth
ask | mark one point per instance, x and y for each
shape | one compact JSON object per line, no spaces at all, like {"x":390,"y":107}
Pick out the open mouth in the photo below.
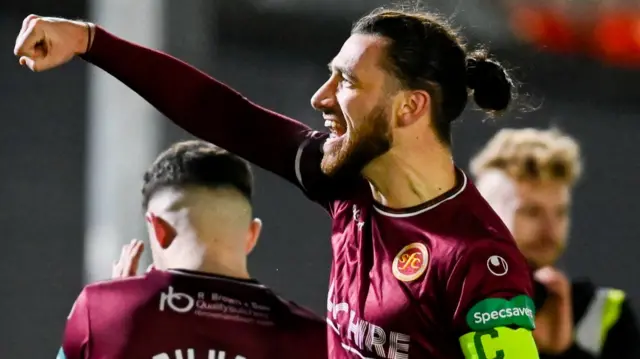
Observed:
{"x":336,"y":130}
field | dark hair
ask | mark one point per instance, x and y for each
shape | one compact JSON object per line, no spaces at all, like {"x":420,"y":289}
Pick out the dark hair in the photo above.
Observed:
{"x":197,"y":163}
{"x":425,"y":53}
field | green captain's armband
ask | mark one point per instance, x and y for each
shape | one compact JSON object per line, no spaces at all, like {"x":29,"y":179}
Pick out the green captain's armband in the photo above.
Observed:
{"x":501,"y":329}
{"x":499,"y":343}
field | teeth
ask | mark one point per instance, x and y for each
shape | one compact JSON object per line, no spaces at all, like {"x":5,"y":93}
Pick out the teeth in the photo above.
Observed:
{"x":335,"y":129}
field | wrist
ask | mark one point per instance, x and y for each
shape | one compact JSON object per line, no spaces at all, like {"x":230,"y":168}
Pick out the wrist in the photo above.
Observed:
{"x":85,"y":34}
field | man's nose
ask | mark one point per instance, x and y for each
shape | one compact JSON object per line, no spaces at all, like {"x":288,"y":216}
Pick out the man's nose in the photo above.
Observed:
{"x":324,"y":97}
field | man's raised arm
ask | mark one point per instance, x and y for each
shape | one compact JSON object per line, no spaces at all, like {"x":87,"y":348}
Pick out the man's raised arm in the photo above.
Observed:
{"x":202,"y":105}
{"x":193,"y":100}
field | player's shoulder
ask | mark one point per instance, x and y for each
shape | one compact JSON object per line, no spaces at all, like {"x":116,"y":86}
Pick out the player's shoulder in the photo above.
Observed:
{"x":472,"y":221}
{"x":136,"y":284}
{"x":483,"y":230}
{"x":483,"y":240}
{"x":494,"y":254}
{"x":110,"y":284}
{"x":487,"y":244}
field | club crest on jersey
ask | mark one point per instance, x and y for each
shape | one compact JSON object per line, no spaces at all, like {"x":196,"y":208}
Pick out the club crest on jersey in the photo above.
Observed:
{"x":411,"y":262}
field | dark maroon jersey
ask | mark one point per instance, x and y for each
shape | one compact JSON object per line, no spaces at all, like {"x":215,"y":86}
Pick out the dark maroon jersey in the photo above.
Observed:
{"x":189,"y":315}
{"x":402,"y":282}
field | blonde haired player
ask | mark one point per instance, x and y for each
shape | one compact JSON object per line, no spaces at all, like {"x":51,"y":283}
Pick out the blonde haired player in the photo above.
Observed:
{"x":527,"y":175}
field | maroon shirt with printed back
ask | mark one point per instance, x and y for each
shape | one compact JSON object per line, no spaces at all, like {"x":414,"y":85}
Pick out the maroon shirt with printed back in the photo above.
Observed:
{"x":189,"y":315}
{"x":401,"y":281}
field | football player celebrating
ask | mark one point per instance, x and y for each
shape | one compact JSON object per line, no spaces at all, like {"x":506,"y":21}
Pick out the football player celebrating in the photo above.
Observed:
{"x":422,"y":266}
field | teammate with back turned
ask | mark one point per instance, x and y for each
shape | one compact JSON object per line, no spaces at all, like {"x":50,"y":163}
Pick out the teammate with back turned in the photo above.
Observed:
{"x":199,"y":302}
{"x":422,"y":266}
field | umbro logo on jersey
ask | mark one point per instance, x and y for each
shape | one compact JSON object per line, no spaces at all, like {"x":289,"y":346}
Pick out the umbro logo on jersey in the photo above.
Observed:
{"x":411,"y":262}
{"x":497,"y":266}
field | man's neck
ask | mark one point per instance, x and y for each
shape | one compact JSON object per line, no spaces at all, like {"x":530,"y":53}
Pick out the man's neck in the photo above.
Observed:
{"x":215,"y":261}
{"x":402,"y":179}
{"x":240,"y":272}
{"x":213,"y":268}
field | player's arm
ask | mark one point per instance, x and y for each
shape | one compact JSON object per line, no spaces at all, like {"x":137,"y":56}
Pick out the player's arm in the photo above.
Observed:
{"x":212,"y":111}
{"x":493,"y":313}
{"x":75,"y":342}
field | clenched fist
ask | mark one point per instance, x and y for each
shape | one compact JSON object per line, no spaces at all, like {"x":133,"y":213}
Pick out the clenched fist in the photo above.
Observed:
{"x":48,"y":42}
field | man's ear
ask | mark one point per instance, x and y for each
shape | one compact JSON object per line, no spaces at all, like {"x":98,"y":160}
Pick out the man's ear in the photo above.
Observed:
{"x":163,"y":232}
{"x":415,"y":104}
{"x":255,"y":227}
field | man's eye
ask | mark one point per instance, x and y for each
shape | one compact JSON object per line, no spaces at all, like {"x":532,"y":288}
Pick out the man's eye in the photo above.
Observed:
{"x":346,"y":82}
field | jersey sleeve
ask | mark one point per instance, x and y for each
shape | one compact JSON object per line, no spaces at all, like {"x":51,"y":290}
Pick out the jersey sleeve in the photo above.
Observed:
{"x":77,"y":331}
{"x":490,"y":288}
{"x":212,"y":111}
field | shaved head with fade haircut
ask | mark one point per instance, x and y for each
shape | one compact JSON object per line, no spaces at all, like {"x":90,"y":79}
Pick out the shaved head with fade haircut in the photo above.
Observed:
{"x":197,"y":199}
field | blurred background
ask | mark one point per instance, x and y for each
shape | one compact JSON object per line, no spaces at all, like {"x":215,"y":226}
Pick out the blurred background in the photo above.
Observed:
{"x":74,"y":142}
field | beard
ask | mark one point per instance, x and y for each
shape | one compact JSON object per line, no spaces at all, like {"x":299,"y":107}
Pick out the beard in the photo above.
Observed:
{"x":346,"y":156}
